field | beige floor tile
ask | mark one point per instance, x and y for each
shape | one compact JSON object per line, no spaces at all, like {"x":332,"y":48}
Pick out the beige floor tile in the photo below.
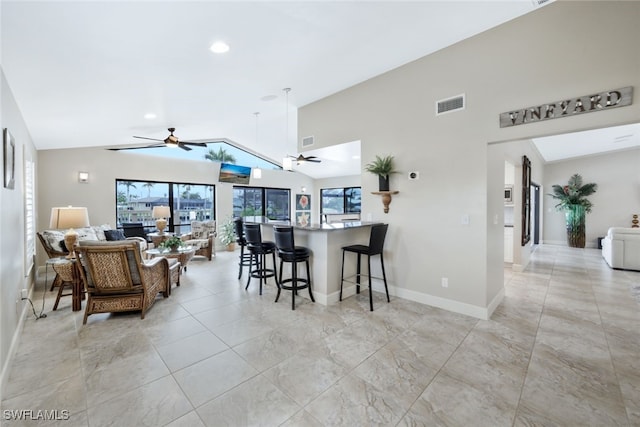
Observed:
{"x":561,"y":349}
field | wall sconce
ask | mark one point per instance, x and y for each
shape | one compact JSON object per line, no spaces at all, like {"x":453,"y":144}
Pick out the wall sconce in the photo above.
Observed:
{"x":287,"y":163}
{"x":83,"y":177}
{"x":256,"y":173}
{"x":303,"y":189}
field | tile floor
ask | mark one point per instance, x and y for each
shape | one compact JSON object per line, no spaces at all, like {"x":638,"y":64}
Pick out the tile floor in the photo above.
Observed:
{"x":561,"y":350}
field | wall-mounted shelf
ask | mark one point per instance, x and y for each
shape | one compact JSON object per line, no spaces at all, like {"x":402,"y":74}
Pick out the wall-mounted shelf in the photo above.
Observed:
{"x":386,"y":198}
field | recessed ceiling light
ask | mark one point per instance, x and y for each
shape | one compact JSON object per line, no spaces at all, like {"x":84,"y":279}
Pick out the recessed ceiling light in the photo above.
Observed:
{"x":219,"y":47}
{"x":149,"y":116}
{"x":268,"y":98}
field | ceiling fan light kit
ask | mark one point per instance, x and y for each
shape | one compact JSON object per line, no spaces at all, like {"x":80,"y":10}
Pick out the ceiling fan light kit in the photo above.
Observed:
{"x":170,"y":141}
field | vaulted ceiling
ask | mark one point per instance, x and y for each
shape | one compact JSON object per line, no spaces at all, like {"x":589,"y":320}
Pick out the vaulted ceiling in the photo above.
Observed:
{"x":86,"y":73}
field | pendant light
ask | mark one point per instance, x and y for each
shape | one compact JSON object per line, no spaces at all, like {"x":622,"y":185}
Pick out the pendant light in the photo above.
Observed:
{"x":257,"y":172}
{"x":287,"y":162}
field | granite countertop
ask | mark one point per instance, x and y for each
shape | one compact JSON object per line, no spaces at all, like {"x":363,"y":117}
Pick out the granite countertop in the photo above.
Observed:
{"x":343,"y":225}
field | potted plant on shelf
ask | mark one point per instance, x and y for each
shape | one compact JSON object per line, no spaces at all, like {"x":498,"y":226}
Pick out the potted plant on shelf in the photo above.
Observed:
{"x":228,"y":234}
{"x":383,"y":167}
{"x":172,"y":243}
{"x":574,"y":203}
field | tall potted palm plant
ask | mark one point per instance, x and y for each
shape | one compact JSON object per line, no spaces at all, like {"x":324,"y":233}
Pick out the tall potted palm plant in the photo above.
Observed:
{"x":574,"y":203}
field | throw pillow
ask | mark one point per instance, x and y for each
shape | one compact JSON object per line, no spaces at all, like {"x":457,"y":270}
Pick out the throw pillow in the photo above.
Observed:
{"x":53,"y":238}
{"x":112,"y":235}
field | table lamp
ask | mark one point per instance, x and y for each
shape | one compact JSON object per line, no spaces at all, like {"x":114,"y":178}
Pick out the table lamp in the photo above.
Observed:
{"x":161,"y":213}
{"x":69,"y":218}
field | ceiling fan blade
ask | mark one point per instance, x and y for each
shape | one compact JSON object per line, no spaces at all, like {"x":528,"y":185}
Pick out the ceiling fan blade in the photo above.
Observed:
{"x":196,"y":144}
{"x":151,"y":139}
{"x":313,"y":160}
{"x":184,"y":147}
{"x":137,"y":148}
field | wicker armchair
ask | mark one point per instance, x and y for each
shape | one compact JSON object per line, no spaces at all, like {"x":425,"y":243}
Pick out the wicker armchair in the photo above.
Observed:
{"x":116,"y":279}
{"x":52,"y":253}
{"x":203,"y":237}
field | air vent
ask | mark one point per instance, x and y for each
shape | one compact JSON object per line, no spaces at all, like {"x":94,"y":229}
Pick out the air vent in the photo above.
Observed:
{"x":307,"y":141}
{"x":450,"y":104}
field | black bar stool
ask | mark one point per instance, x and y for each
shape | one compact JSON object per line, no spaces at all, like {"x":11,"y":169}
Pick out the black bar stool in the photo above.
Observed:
{"x":376,"y":244}
{"x":258,"y":250}
{"x":289,"y":252}
{"x":245,"y":257}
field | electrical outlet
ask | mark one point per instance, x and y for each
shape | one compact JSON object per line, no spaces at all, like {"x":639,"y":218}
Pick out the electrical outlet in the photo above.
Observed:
{"x":445,"y":282}
{"x":414,"y":176}
{"x":25,"y":294}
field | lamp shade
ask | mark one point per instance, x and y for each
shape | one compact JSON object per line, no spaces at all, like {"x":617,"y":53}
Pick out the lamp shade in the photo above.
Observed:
{"x":69,"y":217}
{"x":161,"y":212}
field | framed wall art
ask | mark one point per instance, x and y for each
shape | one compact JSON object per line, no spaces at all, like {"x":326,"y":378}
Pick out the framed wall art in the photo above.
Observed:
{"x":9,"y":156}
{"x":303,"y":202}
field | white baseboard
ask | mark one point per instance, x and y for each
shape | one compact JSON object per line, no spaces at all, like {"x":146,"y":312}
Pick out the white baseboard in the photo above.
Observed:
{"x":483,"y":313}
{"x":590,"y":245}
{"x":15,"y":340}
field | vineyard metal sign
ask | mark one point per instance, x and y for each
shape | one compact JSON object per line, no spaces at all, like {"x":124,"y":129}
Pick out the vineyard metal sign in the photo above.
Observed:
{"x":568,"y":107}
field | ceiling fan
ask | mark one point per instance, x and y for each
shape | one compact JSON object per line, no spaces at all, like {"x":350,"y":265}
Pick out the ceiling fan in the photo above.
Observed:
{"x":170,"y":141}
{"x":301,"y":158}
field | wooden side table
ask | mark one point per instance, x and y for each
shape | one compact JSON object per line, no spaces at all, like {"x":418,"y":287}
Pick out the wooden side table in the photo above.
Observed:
{"x":67,"y":269}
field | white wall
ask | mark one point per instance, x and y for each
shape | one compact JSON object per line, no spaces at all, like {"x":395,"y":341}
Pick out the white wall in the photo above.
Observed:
{"x":616,"y":200}
{"x":12,"y":268}
{"x":58,"y":181}
{"x":540,"y":57}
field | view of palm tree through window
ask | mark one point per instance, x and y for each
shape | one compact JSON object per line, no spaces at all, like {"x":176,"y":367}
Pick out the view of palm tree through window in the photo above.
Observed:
{"x":187,"y":201}
{"x":218,"y":151}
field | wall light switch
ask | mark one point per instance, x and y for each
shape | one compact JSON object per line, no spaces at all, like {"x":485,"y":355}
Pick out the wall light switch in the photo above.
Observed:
{"x":465,"y":219}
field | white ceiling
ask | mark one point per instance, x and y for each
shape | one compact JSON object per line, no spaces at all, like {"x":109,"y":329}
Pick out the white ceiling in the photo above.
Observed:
{"x":85,"y":73}
{"x":587,"y":143}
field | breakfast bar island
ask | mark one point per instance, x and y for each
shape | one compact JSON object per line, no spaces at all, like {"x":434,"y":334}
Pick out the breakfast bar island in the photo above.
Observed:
{"x":325,"y":242}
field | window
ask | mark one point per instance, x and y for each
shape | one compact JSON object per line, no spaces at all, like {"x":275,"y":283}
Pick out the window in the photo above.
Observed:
{"x":29,"y":216}
{"x":340,"y":201}
{"x":274,"y":203}
{"x":187,"y":201}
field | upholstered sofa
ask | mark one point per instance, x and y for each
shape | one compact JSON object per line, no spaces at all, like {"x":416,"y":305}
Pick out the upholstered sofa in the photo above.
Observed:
{"x":621,"y":248}
{"x":53,"y":240}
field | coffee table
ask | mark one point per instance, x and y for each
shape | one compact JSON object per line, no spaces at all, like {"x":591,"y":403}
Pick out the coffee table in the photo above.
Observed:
{"x":183,"y":254}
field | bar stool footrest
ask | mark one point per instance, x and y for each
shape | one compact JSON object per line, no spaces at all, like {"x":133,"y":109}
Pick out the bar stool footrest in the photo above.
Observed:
{"x":301,"y":284}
